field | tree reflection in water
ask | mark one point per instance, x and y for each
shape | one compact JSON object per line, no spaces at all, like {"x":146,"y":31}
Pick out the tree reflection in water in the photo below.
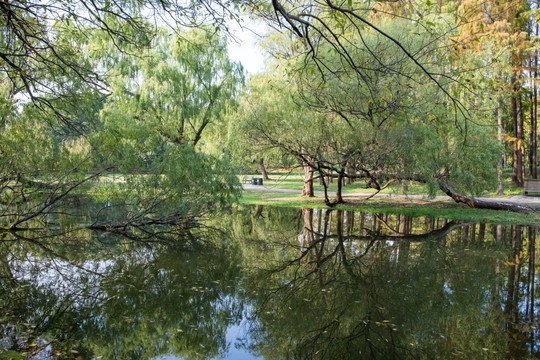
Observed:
{"x":308,"y":284}
{"x":354,"y":285}
{"x":96,"y":296}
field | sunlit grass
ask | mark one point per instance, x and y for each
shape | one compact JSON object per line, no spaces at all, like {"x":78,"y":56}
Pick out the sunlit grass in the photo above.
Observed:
{"x":435,"y":208}
{"x":295,"y":181}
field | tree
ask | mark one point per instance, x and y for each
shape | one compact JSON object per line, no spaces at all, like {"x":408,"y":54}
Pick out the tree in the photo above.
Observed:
{"x":31,"y":34}
{"x":160,"y":105}
{"x":180,"y":88}
{"x":269,"y":115}
{"x":503,"y":25}
{"x":385,"y":125}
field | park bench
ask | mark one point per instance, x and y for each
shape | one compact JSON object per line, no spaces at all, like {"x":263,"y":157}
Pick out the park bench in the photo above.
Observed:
{"x":247,"y":179}
{"x":531,"y":185}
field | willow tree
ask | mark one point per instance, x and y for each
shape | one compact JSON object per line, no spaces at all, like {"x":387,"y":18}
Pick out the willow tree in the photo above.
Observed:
{"x":162,"y":104}
{"x":271,"y":119}
{"x":383,"y":122}
{"x":151,"y":120}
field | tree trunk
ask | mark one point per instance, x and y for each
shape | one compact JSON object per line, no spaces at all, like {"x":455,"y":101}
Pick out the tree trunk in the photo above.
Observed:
{"x":519,"y":136}
{"x":533,"y":150}
{"x":531,"y":115}
{"x":339,"y":198}
{"x":307,"y":190}
{"x":404,"y":186}
{"x":500,"y":163}
{"x":350,"y":170}
{"x":517,"y":115}
{"x":325,"y":186}
{"x":262,"y":169}
{"x":483,"y":204}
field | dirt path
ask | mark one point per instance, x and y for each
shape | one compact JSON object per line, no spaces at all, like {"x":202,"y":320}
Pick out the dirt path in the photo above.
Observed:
{"x":518,"y":199}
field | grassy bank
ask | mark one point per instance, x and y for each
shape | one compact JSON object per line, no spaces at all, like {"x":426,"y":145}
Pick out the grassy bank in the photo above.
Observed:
{"x":295,"y":181}
{"x":434,"y":208}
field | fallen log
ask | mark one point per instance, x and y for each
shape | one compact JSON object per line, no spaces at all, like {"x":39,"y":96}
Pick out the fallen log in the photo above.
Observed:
{"x":484,"y":204}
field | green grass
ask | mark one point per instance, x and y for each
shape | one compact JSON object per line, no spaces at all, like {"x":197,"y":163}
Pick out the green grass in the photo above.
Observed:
{"x":433,"y":208}
{"x":295,"y":181}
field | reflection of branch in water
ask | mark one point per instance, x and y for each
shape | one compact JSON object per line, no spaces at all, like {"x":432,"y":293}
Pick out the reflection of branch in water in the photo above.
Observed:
{"x":54,"y":254}
{"x":309,"y":280}
{"x":396,"y":236}
{"x":386,"y":225}
{"x":319,"y":239}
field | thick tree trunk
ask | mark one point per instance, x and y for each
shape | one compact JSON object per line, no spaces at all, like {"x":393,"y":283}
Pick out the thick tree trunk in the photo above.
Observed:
{"x":531,"y":116}
{"x":483,"y":204}
{"x":514,"y":132}
{"x":262,"y":169}
{"x":307,"y":190}
{"x":339,"y":198}
{"x":500,"y":163}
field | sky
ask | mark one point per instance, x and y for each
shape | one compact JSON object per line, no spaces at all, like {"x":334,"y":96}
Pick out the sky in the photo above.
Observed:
{"x":245,"y":49}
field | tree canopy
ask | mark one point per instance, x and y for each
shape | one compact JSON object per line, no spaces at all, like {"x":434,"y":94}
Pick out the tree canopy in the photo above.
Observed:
{"x":380,"y":91}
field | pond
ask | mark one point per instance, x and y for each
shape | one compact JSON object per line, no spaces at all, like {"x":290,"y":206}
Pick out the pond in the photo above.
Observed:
{"x":275,"y":283}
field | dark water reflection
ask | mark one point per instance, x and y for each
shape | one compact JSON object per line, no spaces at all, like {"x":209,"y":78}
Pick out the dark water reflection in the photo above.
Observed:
{"x":277,"y":284}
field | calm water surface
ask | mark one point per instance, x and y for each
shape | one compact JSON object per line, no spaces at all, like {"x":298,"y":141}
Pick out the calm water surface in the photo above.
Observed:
{"x":273,"y":283}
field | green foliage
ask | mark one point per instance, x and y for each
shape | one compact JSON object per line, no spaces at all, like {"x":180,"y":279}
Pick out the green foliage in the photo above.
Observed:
{"x":266,"y":108}
{"x":180,"y":87}
{"x":152,"y":126}
{"x":390,"y":121}
{"x":161,"y":108}
{"x":11,"y":355}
